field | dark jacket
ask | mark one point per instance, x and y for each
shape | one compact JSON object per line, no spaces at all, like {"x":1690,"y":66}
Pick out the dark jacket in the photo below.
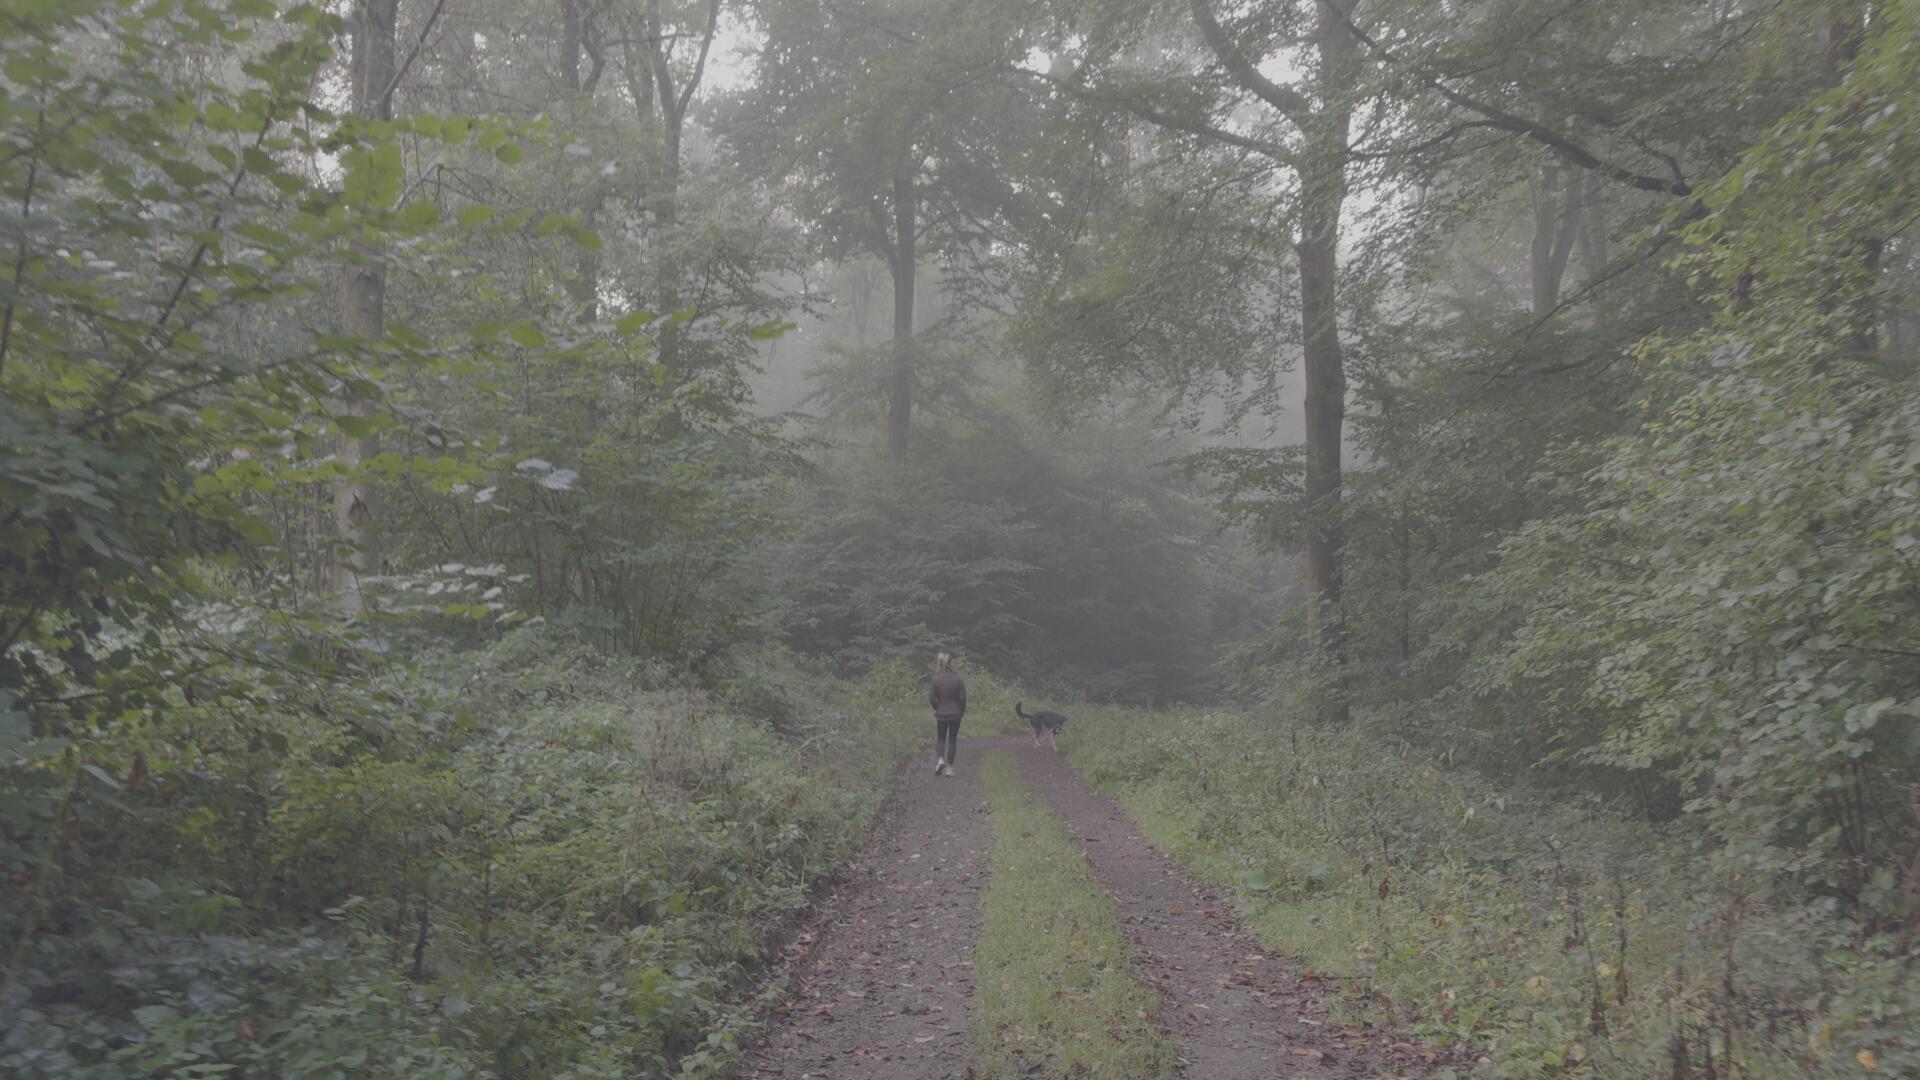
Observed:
{"x":948,"y":696}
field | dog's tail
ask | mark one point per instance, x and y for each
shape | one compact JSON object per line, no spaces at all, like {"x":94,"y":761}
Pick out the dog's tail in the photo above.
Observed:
{"x":1018,"y":713}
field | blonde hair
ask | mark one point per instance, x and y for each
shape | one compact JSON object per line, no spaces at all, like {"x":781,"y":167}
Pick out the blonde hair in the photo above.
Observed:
{"x":942,"y":662}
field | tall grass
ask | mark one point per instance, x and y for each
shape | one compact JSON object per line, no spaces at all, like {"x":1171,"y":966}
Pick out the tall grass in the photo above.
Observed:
{"x":1056,"y":992}
{"x":1547,"y":932}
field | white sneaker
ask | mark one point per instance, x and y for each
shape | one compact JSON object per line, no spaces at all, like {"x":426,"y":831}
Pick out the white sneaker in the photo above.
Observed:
{"x":949,"y":771}
{"x":939,"y":766}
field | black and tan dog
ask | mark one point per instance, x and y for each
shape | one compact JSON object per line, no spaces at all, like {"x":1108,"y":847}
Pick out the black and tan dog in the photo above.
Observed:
{"x":1049,"y":722}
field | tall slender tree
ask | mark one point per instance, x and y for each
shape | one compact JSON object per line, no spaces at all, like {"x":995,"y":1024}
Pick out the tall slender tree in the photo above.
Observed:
{"x":1300,"y":125}
{"x":884,"y":121}
{"x":363,"y":315}
{"x":673,"y":76}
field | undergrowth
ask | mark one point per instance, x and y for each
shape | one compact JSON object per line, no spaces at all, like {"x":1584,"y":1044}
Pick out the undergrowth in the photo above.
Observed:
{"x":1549,"y":934}
{"x":1057,"y":995}
{"x":526,"y":862}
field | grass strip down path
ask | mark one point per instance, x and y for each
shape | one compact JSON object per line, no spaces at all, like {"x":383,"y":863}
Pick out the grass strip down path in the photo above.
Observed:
{"x":1056,"y":987}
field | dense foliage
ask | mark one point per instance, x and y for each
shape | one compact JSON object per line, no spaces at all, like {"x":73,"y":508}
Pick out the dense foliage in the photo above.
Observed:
{"x":525,"y":862}
{"x":1700,"y":596}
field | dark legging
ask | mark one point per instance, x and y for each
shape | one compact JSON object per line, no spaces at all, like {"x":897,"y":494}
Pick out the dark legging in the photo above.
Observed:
{"x":946,"y":739}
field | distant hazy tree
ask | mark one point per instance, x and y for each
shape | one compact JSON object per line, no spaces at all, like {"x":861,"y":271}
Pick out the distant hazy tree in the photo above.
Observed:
{"x":885,"y":122}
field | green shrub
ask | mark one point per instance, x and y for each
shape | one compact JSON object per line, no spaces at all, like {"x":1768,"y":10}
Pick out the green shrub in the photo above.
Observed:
{"x":521,"y":862}
{"x":1547,"y":931}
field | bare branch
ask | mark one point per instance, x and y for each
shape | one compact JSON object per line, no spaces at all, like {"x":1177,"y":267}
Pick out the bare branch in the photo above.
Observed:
{"x":1424,"y":145}
{"x":1265,"y":147}
{"x":187,"y":277}
{"x":1561,"y":145}
{"x":20,"y":258}
{"x":700,"y":64}
{"x":1285,"y":98}
{"x":399,"y":73}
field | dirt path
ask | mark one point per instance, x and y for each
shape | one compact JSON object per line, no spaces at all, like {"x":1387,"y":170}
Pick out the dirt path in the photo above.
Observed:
{"x":1238,"y":1012}
{"x":883,"y":977}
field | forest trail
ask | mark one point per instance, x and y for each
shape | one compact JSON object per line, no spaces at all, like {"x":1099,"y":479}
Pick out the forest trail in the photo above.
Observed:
{"x":884,"y":974}
{"x":1237,"y":1011}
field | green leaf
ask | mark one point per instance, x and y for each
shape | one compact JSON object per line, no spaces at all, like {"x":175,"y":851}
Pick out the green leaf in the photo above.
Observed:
{"x":475,"y":215}
{"x":632,"y":323}
{"x":101,"y":775}
{"x":187,"y":174}
{"x":29,"y":69}
{"x":527,"y":334}
{"x":389,"y":174}
{"x":153,"y":1016}
{"x":358,"y":427}
{"x":420,"y":215}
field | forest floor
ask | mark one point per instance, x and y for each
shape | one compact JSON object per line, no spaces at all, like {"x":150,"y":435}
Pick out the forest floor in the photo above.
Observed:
{"x":881,"y":982}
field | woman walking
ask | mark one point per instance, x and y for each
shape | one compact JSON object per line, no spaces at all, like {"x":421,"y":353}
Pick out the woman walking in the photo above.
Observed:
{"x":948,"y":695}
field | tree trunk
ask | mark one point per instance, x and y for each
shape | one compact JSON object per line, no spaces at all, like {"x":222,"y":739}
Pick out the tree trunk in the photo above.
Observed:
{"x":1323,"y":191}
{"x":1845,"y":25}
{"x":666,"y":220}
{"x":571,"y":42}
{"x":1593,"y":237}
{"x":363,"y":316}
{"x":673,"y":104}
{"x":1404,"y":542}
{"x":583,"y":287}
{"x":1556,"y":225}
{"x":1845,"y":34}
{"x":900,"y":406}
{"x":1865,"y":341}
{"x":1406,"y":588}
{"x":862,"y":303}
{"x":1324,"y":370}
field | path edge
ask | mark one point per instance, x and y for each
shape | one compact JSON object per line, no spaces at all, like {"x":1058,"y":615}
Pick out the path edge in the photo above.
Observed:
{"x":772,"y":972}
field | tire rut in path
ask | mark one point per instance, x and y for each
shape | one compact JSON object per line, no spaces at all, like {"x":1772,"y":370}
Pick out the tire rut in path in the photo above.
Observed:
{"x":883,"y":976}
{"x":1237,"y":1011}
